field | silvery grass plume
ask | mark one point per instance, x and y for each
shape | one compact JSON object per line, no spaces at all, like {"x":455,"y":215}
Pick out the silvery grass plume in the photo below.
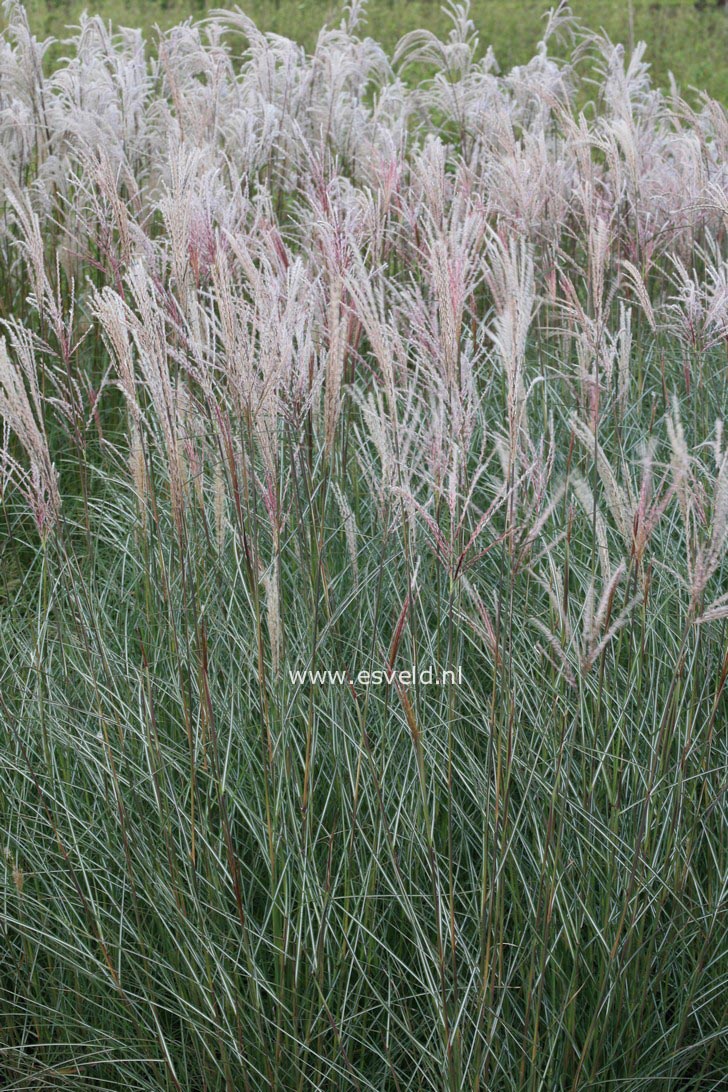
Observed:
{"x":697,"y":312}
{"x":635,"y":507}
{"x":706,"y":537}
{"x":335,"y":221}
{"x":23,"y":411}
{"x":511,"y":281}
{"x":111,"y":313}
{"x":265,"y":367}
{"x":712,"y":553}
{"x":145,"y":330}
{"x":576,"y":648}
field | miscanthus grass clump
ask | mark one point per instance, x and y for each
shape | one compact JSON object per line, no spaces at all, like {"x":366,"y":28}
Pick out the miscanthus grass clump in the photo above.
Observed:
{"x":352,"y":363}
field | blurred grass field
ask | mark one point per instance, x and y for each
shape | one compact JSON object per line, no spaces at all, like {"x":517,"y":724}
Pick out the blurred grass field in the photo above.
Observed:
{"x":686,"y":37}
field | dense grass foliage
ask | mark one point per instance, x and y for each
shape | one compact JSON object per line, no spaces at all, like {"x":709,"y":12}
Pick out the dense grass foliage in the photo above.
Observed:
{"x":305,"y":366}
{"x":688,"y":38}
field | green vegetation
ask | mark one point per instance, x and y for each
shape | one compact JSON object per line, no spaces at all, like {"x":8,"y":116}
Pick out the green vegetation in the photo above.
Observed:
{"x":306,"y":369}
{"x":686,"y":38}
